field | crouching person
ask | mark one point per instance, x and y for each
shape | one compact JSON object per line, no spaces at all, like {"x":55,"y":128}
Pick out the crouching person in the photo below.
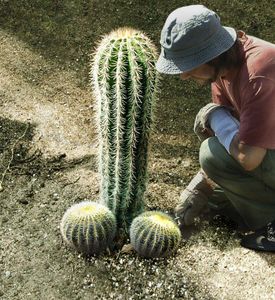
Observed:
{"x":237,"y":129}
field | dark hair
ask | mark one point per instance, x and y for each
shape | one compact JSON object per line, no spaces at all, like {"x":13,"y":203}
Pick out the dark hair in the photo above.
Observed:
{"x":229,"y":59}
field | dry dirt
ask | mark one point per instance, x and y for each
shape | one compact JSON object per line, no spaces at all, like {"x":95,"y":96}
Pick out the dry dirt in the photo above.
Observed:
{"x":48,"y":162}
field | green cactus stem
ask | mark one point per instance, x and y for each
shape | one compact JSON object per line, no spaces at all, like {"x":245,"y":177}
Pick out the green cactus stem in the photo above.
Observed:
{"x":88,"y":227}
{"x":124,"y":83}
{"x":154,"y":234}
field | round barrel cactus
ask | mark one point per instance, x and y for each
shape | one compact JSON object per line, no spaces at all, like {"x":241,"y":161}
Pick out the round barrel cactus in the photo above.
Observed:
{"x":154,"y":234}
{"x":89,"y":227}
{"x":124,"y":82}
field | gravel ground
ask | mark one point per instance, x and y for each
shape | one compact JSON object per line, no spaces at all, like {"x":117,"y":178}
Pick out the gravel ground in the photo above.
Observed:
{"x":48,"y":162}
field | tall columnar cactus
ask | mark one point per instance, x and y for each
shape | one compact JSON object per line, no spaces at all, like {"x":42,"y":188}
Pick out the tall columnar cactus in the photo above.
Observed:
{"x":154,"y":234}
{"x":124,"y":82}
{"x":89,"y":227}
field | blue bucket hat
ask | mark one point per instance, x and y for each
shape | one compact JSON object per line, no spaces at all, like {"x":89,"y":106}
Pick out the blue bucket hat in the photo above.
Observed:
{"x":191,"y":36}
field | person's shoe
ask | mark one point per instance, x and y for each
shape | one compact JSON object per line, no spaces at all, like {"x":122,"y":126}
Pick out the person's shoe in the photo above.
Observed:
{"x":261,"y":240}
{"x":193,"y":200}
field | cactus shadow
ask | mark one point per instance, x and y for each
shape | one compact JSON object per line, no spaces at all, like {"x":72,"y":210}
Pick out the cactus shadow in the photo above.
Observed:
{"x":19,"y":155}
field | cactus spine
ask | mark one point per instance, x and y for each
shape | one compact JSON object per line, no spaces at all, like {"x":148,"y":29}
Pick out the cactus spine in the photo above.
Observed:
{"x":154,"y":234}
{"x":89,"y":227}
{"x":124,"y":82}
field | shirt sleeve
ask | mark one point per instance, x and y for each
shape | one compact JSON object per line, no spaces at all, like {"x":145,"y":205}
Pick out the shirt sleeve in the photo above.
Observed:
{"x":257,"y":117}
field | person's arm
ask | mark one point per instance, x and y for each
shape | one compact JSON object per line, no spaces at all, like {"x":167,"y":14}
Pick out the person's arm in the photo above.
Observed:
{"x":249,"y":157}
{"x":226,"y":128}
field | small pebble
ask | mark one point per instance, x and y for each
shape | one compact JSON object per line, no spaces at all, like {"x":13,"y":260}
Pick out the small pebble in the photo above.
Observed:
{"x":23,"y":201}
{"x":8,"y":274}
{"x":127,"y":248}
{"x":4,"y":220}
{"x":55,"y":196}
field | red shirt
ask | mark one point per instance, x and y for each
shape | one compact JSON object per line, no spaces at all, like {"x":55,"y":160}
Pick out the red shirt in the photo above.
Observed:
{"x":250,"y":91}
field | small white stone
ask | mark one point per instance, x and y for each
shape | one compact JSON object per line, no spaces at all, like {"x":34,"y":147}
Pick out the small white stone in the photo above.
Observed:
{"x":8,"y":274}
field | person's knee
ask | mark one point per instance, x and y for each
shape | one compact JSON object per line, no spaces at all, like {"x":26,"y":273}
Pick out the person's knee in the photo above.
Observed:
{"x":211,"y":152}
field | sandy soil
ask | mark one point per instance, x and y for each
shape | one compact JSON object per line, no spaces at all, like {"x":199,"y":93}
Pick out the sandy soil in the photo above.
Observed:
{"x":48,"y":162}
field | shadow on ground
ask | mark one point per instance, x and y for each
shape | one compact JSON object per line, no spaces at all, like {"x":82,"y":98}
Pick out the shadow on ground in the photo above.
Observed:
{"x":19,"y":156}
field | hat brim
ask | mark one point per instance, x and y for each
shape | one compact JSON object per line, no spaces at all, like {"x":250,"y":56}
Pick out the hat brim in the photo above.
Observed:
{"x":218,"y":44}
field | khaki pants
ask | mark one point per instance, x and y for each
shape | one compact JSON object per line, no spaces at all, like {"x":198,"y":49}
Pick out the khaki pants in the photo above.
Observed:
{"x":251,"y":193}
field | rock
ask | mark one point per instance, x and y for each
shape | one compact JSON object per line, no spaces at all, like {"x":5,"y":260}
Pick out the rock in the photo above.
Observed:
{"x":8,"y":274}
{"x":23,"y":201}
{"x":127,"y":249}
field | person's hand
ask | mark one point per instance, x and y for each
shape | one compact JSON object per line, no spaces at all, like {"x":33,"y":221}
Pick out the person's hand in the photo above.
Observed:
{"x":194,"y":199}
{"x":192,"y":204}
{"x":201,"y":125}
